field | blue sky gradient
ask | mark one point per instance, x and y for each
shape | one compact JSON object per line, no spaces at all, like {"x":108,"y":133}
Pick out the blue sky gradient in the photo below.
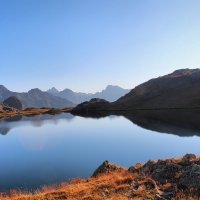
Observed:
{"x":86,"y":44}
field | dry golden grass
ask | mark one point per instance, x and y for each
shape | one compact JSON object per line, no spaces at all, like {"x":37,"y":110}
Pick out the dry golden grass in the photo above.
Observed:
{"x":115,"y":185}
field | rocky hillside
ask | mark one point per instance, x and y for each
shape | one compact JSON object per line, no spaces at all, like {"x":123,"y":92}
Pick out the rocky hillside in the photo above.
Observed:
{"x":13,"y":102}
{"x":180,"y":89}
{"x":110,"y":93}
{"x":35,"y":98}
{"x":175,"y":179}
{"x":90,"y":106}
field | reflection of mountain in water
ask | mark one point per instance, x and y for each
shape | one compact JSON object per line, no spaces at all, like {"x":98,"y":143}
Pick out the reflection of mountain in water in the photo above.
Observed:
{"x":4,"y":130}
{"x":37,"y":121}
{"x":178,"y":122}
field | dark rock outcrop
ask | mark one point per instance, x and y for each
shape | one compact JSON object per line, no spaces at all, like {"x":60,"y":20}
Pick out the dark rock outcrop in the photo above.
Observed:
{"x":5,"y":109}
{"x":94,"y":105}
{"x":13,"y":102}
{"x":105,"y":167}
{"x":190,"y":177}
{"x":161,"y":179}
{"x":182,"y":173}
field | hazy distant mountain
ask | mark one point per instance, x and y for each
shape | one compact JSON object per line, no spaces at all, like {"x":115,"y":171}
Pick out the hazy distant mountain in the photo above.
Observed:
{"x":4,"y":93}
{"x":180,"y":89}
{"x":110,"y":93}
{"x":53,"y":91}
{"x":35,"y":98}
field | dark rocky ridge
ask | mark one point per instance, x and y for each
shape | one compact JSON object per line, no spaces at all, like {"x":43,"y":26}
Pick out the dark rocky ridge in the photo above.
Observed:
{"x":179,"y":89}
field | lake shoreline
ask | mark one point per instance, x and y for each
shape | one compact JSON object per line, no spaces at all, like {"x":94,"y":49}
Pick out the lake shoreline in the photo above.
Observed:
{"x":102,"y":112}
{"x":162,"y":179}
{"x":34,"y":111}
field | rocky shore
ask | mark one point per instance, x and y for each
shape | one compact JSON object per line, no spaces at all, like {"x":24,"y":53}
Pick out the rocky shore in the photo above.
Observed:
{"x":155,"y":180}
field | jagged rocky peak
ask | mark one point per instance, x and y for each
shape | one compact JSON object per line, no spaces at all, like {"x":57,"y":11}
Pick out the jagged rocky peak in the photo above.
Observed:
{"x":53,"y":90}
{"x":3,"y":88}
{"x":110,"y":87}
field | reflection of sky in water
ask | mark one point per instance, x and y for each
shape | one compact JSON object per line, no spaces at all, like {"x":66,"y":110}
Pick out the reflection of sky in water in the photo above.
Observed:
{"x":59,"y":149}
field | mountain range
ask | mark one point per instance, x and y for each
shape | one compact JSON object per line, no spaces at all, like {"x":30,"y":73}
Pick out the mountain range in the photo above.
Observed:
{"x":179,"y":89}
{"x":35,"y":98}
{"x":59,"y":99}
{"x":110,"y":93}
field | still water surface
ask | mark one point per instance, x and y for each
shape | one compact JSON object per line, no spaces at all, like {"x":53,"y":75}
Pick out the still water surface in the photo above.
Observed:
{"x":47,"y":149}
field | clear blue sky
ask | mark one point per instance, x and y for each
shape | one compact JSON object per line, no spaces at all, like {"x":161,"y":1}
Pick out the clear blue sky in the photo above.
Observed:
{"x":86,"y":44}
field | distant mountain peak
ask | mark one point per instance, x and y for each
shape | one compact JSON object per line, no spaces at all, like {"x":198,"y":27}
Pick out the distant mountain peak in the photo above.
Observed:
{"x":2,"y":87}
{"x":110,"y":93}
{"x":110,"y":87}
{"x":34,"y":91}
{"x":53,"y":90}
{"x":67,"y":90}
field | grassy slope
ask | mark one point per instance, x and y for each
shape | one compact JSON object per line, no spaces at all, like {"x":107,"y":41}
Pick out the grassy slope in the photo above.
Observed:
{"x":118,"y":184}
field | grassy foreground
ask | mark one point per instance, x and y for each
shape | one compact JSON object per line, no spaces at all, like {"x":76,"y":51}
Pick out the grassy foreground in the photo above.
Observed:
{"x":154,"y":180}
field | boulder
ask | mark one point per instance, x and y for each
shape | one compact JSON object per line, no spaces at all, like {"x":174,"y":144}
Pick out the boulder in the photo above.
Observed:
{"x":105,"y":167}
{"x":188,"y":159}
